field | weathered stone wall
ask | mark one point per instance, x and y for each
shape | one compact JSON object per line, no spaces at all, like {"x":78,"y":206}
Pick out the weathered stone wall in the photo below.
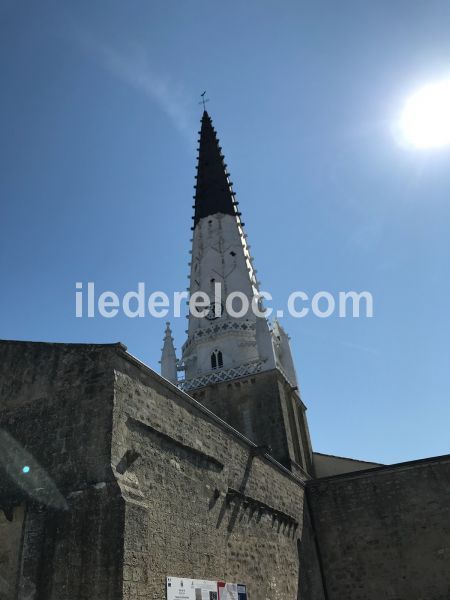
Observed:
{"x":251,"y":405}
{"x":385,"y":533}
{"x":56,"y":402}
{"x":267,"y":411}
{"x":75,"y":554}
{"x":130,"y":480}
{"x":199,"y":502}
{"x":56,"y":421}
{"x":10,"y":544}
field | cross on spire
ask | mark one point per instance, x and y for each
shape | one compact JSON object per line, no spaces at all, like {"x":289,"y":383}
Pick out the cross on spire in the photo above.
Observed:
{"x":204,"y":100}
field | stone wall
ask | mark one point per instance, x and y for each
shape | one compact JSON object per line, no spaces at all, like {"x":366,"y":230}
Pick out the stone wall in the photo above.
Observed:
{"x":201,"y":501}
{"x":129,"y":480}
{"x":55,"y":439}
{"x":11,"y":525}
{"x":266,"y":409}
{"x":111,"y":479}
{"x":385,"y":533}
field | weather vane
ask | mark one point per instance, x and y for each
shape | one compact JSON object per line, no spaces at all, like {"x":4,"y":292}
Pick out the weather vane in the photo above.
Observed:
{"x":204,"y":100}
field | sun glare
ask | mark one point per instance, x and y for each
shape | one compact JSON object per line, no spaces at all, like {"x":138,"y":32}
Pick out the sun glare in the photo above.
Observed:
{"x":425,"y":121}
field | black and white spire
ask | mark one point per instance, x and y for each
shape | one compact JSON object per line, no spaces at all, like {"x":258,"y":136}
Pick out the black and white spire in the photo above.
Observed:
{"x":220,"y":257}
{"x":220,"y":345}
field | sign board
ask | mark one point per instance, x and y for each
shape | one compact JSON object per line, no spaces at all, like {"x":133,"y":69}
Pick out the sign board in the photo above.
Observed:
{"x":242,"y":591}
{"x":179,"y":588}
{"x":228,"y":591}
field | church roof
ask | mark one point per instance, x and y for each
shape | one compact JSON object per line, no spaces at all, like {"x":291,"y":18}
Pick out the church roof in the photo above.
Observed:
{"x":213,"y":192}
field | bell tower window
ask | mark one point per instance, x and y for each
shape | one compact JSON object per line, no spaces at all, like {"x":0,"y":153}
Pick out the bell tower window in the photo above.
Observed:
{"x":216,"y":360}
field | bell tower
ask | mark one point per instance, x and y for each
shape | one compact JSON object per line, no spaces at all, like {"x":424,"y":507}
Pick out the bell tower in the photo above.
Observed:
{"x":233,"y":361}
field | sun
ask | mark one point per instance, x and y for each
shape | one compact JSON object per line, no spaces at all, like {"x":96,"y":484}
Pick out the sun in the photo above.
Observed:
{"x":425,"y":121}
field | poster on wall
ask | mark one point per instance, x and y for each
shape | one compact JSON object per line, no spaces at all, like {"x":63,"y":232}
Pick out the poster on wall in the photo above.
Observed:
{"x":228,"y":591}
{"x":178,"y":588}
{"x":205,"y":590}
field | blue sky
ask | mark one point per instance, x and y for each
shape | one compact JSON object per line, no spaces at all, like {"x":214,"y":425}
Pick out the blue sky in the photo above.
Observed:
{"x":99,"y":119}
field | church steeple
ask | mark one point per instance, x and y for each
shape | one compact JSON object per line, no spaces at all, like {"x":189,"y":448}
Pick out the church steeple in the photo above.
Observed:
{"x":220,"y":345}
{"x":234,"y":363}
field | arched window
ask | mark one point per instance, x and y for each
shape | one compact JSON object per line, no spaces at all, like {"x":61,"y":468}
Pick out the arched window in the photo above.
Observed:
{"x":216,"y":360}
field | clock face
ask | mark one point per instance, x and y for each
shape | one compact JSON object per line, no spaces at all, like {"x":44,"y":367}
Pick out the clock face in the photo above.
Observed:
{"x":215,"y":311}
